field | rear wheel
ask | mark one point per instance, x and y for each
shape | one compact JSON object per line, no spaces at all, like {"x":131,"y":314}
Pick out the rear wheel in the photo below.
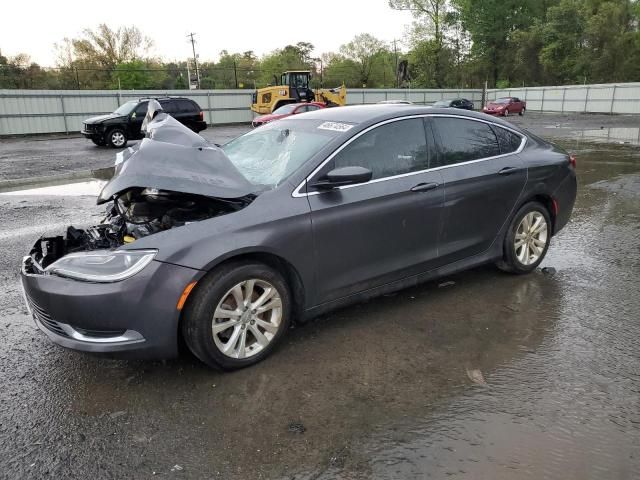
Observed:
{"x":116,"y":138}
{"x":238,"y":314}
{"x":522,"y":111}
{"x":527,"y":239}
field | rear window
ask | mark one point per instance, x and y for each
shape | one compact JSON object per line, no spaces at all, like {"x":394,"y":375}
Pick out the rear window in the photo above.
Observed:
{"x":509,"y":141}
{"x":186,"y":106}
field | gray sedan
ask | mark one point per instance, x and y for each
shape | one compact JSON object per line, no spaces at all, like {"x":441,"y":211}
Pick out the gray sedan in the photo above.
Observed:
{"x":226,"y":247}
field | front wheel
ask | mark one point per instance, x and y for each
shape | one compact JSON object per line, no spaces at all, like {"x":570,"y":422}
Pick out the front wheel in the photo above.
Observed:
{"x":237,"y":316}
{"x":116,"y":138}
{"x":527,"y":239}
{"x":522,"y":111}
{"x":506,"y":112}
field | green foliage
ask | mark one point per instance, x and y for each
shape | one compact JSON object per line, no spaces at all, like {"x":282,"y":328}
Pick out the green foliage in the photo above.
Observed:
{"x":451,"y":43}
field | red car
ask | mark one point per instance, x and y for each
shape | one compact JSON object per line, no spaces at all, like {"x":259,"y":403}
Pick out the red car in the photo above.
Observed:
{"x":287,"y":111}
{"x":505,"y":106}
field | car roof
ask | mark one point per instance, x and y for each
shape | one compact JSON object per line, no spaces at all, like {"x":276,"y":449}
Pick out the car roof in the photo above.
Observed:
{"x":374,"y":113}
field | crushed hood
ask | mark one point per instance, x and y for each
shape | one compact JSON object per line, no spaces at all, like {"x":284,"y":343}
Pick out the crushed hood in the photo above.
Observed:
{"x":172,"y":157}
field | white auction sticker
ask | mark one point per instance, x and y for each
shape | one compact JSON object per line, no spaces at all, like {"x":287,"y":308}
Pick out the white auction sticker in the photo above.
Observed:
{"x":335,"y":126}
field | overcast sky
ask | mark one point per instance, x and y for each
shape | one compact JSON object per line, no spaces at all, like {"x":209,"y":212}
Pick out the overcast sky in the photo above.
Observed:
{"x":34,"y":26}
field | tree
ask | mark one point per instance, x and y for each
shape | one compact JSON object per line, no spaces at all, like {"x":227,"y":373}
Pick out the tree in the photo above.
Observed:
{"x":362,"y":51}
{"x":291,"y":57}
{"x":106,"y":47}
{"x":431,"y":18}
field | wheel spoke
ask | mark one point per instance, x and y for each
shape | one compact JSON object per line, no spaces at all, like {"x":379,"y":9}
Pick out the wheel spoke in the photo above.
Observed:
{"x":266,"y":295}
{"x":539,"y":243}
{"x":222,"y":326}
{"x":523,"y":252}
{"x":229,"y":347}
{"x":260,"y":337}
{"x":267,"y":326}
{"x":242,"y":343}
{"x":238,"y":295}
{"x":273,"y":303}
{"x":222,"y":312}
{"x":541,"y":229}
{"x":536,"y":223}
{"x":248,"y":291}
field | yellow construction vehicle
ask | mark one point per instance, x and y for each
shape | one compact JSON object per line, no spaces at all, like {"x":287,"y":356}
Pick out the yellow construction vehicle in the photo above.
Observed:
{"x":294,"y":88}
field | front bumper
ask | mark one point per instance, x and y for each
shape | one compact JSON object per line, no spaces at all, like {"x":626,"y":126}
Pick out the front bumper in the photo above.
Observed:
{"x":91,"y":131}
{"x":134,"y":318}
{"x":199,"y":126}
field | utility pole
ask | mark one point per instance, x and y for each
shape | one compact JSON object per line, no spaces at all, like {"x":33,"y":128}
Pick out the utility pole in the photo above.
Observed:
{"x":235,"y":71}
{"x":195,"y":59}
{"x":395,"y":52}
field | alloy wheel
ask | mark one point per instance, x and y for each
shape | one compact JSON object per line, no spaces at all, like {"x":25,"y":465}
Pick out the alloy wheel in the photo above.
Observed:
{"x":531,"y":238}
{"x":117,"y":139}
{"x":247,"y":318}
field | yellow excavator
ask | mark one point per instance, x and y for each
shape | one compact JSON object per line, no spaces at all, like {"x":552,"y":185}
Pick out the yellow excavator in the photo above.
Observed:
{"x":294,"y":88}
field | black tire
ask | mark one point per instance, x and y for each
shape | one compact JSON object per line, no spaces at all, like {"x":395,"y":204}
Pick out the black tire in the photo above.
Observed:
{"x":510,"y":261}
{"x":114,"y":136}
{"x":505,"y":113}
{"x":522,"y":112}
{"x":98,"y":141}
{"x":199,"y":312}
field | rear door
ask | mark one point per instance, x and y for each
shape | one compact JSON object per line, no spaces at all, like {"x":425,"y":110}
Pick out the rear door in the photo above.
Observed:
{"x":482,"y":184}
{"x":136,"y":118}
{"x":374,"y":233}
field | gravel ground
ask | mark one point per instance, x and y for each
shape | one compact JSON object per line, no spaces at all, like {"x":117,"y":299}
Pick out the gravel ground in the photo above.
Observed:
{"x":479,"y":375}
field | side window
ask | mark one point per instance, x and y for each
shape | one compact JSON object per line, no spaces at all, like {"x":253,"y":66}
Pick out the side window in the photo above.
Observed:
{"x":509,"y":141}
{"x":464,"y":140}
{"x":391,"y":149}
{"x":141,"y":109}
{"x":311,"y":108}
{"x":183,"y":106}
{"x":301,"y":109}
{"x":169,"y":106}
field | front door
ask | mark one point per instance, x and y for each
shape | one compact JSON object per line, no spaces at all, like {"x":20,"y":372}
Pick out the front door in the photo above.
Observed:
{"x":374,"y":233}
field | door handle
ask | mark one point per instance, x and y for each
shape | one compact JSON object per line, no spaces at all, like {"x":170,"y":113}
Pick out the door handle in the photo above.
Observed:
{"x":424,"y":187}
{"x":509,"y":170}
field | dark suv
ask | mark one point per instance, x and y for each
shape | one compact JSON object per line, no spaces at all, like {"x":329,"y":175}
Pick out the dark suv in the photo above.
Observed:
{"x":117,"y":128}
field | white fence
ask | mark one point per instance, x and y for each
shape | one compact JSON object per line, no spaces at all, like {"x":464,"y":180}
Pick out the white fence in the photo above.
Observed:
{"x":60,"y":111}
{"x":603,"y":98}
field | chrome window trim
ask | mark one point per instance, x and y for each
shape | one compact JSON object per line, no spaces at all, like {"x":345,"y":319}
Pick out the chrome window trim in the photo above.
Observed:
{"x":297,"y":193}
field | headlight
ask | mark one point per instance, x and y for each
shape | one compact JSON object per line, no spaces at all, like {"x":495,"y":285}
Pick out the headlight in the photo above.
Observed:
{"x":102,"y":266}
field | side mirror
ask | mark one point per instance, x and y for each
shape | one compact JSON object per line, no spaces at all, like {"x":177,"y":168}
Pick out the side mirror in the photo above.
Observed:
{"x":340,"y":177}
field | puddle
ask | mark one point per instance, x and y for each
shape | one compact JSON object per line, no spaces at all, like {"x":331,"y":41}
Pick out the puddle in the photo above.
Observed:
{"x":78,"y":189}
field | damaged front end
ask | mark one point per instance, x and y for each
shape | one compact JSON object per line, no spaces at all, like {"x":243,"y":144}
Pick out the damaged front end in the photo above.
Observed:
{"x":172,"y":178}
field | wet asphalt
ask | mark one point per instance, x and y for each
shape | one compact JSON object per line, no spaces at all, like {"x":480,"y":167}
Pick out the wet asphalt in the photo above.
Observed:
{"x":478,"y":375}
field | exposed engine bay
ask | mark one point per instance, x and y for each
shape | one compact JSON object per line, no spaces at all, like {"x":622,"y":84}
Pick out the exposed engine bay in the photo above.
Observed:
{"x":134,"y":214}
{"x":172,"y":178}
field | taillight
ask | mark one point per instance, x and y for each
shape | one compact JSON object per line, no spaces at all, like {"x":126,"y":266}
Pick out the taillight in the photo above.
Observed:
{"x":572,"y":160}
{"x":202,"y":116}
